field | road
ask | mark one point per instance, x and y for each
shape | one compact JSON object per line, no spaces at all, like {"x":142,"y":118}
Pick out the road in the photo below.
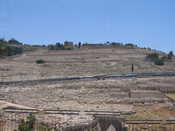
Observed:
{"x":97,"y":77}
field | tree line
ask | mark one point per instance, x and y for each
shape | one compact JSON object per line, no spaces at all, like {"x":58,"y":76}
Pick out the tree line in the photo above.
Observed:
{"x":10,"y":47}
{"x":160,"y":60}
{"x":68,"y":45}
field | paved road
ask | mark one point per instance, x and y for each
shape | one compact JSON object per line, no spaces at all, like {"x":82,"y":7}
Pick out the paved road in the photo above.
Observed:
{"x":98,"y":77}
{"x":68,"y":112}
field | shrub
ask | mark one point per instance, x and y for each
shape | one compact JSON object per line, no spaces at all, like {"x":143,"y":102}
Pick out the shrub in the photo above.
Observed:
{"x":170,"y":55}
{"x":10,"y":48}
{"x":159,"y":61}
{"x":130,"y":45}
{"x":164,"y":58}
{"x":40,"y":61}
{"x":27,"y":125}
{"x":30,"y":125}
{"x":152,"y":57}
{"x":58,"y":46}
{"x":116,"y":44}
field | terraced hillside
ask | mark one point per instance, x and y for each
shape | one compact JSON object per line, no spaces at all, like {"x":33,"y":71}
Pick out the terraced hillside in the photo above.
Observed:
{"x":133,"y":94}
{"x":83,"y":62}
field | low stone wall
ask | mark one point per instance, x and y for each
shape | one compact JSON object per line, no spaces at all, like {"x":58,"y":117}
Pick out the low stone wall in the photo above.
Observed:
{"x":101,"y":123}
{"x":92,"y":126}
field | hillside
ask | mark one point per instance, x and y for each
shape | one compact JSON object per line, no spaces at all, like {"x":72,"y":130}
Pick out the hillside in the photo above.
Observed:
{"x":79,"y":62}
{"x":150,"y":98}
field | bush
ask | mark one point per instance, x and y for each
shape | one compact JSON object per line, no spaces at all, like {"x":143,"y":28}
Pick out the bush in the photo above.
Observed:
{"x":27,"y":125}
{"x":30,"y":125}
{"x":40,"y":61}
{"x":152,"y":57}
{"x":130,"y":45}
{"x":116,"y":44}
{"x":165,"y":58}
{"x":170,"y":55}
{"x":10,"y":48}
{"x":59,"y":46}
{"x":159,"y":61}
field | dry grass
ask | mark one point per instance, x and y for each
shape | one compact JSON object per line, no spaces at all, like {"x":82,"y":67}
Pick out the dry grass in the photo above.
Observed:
{"x":171,"y":95}
{"x":155,"y":112}
{"x":78,"y":63}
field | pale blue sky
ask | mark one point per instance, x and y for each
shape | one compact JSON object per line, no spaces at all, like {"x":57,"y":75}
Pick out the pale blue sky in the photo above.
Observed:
{"x":149,"y":23}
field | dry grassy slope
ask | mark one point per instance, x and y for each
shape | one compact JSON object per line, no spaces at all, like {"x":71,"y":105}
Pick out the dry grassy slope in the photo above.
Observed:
{"x":78,"y":63}
{"x":109,"y":94}
{"x":154,"y":112}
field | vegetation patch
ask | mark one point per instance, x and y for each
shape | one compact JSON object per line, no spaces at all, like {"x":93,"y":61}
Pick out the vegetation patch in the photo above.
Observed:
{"x":30,"y":125}
{"x":170,"y":55}
{"x":58,"y":46}
{"x":159,"y":60}
{"x":152,"y":114}
{"x":154,"y":57}
{"x":10,"y":48}
{"x":40,"y":61}
{"x":27,"y":125}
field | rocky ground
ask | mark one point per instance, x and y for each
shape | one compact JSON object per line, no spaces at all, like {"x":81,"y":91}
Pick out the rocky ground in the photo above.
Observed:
{"x":110,"y":94}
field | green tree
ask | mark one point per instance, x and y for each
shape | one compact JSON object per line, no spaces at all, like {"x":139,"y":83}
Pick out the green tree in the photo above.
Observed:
{"x":154,"y":57}
{"x":11,"y":47}
{"x":15,"y":42}
{"x":27,"y":125}
{"x":170,"y":55}
{"x":79,"y":45}
{"x":159,"y":61}
{"x":40,"y":61}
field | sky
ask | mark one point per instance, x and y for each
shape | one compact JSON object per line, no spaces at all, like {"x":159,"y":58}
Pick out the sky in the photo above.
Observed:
{"x":147,"y":23}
